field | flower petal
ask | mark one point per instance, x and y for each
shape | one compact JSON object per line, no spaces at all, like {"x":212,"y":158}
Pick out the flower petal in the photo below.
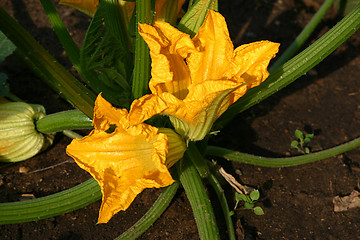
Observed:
{"x":124,"y":163}
{"x":168,"y":49}
{"x":215,"y":50}
{"x":145,"y":107}
{"x":194,"y":117}
{"x":195,"y":94}
{"x":105,"y":115}
{"x":251,"y":61}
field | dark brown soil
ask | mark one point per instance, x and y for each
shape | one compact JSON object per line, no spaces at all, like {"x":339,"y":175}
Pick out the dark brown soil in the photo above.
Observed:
{"x":297,"y":201}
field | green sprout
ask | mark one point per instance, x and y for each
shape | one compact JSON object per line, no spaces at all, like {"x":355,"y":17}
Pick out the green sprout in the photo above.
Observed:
{"x":249,"y":201}
{"x":302,"y":141}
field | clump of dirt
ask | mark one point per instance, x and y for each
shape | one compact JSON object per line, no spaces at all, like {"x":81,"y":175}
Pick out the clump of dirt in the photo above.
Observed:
{"x":297,"y":201}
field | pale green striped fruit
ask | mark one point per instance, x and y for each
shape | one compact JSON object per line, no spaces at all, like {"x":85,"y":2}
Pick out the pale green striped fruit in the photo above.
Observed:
{"x":19,"y":139}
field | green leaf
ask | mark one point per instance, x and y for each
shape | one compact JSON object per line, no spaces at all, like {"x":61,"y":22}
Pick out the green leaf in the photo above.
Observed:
{"x":294,"y":144}
{"x":307,"y":150}
{"x":299,"y":134}
{"x":195,"y":16}
{"x":258,"y":211}
{"x":255,"y":195}
{"x":309,"y":136}
{"x":4,"y":86}
{"x":240,"y":197}
{"x":105,"y":55}
{"x":6,"y":47}
{"x":248,"y":205}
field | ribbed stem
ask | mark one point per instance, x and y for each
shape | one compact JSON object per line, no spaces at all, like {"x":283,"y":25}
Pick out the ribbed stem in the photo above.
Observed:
{"x":224,"y":205}
{"x":281,"y":162}
{"x":199,"y":200}
{"x":198,"y":160}
{"x":50,"y":206}
{"x":141,"y":74}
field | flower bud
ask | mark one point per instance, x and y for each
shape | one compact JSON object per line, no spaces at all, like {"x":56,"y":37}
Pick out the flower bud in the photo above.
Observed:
{"x":19,"y":139}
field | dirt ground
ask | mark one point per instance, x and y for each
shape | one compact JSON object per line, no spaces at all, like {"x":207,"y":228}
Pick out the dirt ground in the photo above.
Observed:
{"x":297,"y":201}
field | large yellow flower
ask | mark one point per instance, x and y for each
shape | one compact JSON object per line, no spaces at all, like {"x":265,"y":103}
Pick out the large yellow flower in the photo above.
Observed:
{"x":195,"y":80}
{"x":126,"y":161}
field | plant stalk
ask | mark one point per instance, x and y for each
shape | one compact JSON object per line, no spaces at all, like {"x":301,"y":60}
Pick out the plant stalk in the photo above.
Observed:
{"x":50,"y":206}
{"x":281,"y":162}
{"x":199,"y":200}
{"x":141,"y":74}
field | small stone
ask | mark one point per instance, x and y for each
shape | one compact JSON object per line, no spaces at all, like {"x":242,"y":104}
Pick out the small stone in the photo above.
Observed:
{"x":23,"y":169}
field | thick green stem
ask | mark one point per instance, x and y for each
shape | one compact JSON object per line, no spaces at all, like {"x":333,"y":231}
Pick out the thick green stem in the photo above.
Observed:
{"x":141,"y":74}
{"x":198,"y":160}
{"x":224,"y":205}
{"x":199,"y":200}
{"x":281,"y":162}
{"x":72,"y":119}
{"x":50,"y":206}
{"x":153,"y":214}
{"x":296,"y":67}
{"x":204,"y":171}
{"x":45,"y":66}
{"x":304,"y":35}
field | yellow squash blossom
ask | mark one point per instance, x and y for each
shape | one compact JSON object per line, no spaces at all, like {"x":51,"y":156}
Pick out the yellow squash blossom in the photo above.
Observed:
{"x":126,"y":161}
{"x":195,"y":80}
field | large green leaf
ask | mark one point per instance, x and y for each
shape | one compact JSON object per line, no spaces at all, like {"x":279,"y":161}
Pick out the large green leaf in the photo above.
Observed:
{"x":105,"y":54}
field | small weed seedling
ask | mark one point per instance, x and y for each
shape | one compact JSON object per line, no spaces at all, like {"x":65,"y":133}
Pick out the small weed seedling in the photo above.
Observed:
{"x":300,"y":144}
{"x":249,"y":201}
